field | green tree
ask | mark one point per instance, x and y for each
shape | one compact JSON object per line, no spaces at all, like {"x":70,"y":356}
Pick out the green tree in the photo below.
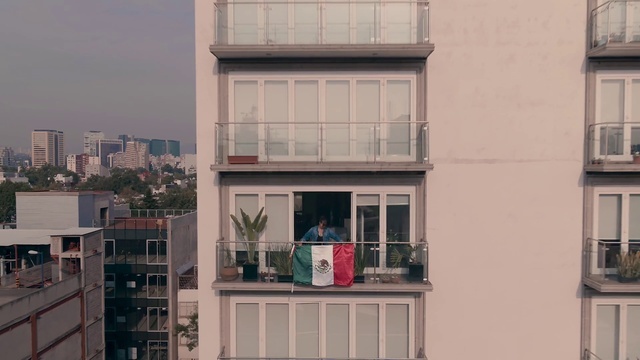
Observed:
{"x":190,"y":330}
{"x":8,"y":191}
{"x":178,"y":199}
{"x":148,"y":201}
{"x":43,"y":177}
{"x":167,"y":168}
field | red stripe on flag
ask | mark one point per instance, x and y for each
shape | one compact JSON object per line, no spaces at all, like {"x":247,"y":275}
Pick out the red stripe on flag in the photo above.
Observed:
{"x":343,"y":264}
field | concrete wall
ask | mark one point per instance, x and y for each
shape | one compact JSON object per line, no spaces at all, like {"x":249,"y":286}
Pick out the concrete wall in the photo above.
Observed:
{"x":506,"y":89}
{"x":46,"y":212}
{"x":187,"y":295}
{"x":182,"y":249}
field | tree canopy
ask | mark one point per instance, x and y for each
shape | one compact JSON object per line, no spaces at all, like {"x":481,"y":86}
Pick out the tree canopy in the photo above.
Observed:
{"x":8,"y":191}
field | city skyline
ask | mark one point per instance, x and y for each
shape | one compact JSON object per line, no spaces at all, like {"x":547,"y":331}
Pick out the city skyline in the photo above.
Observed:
{"x":66,"y":66}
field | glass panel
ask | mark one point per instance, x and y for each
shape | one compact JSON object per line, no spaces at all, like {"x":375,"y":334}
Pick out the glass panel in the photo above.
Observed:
{"x":367,"y":21}
{"x":154,"y":319}
{"x":337,"y":331}
{"x":276,"y":115}
{"x":306,"y":113}
{"x":609,"y":216}
{"x":607,"y":331}
{"x":398,"y":229}
{"x":277,"y":330}
{"x":162,"y":251}
{"x":277,"y":22}
{"x":307,"y":333}
{"x":633,"y":331}
{"x":367,"y":113}
{"x":337,"y":18}
{"x":368,"y":225}
{"x":611,"y":111}
{"x":617,"y":21}
{"x":247,"y":333}
{"x":399,"y":111}
{"x":635,"y":140}
{"x":306,"y":23}
{"x":367,"y":338}
{"x":397,"y":331}
{"x":277,"y":208}
{"x":109,"y":249}
{"x":634,"y":218}
{"x":245,"y":22}
{"x":337,"y":117}
{"x":398,"y":23}
{"x":152,"y":251}
{"x":246,"y":111}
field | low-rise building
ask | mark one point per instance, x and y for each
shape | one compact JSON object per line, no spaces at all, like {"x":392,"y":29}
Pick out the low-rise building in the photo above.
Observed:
{"x":13,"y":177}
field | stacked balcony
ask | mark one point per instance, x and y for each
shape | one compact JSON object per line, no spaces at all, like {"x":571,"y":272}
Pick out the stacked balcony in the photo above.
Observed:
{"x":614,"y":147}
{"x":321,"y":29}
{"x":615,"y":30}
{"x":612,"y":266}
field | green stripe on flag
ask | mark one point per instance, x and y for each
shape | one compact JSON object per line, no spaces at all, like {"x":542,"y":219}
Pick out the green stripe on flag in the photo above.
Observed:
{"x":302,"y":267}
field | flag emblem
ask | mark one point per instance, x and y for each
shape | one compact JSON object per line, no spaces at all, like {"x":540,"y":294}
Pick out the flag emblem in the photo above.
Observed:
{"x":323,"y":266}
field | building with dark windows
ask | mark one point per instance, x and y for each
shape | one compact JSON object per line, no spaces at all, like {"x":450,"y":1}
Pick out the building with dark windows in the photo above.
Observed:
{"x":161,"y":147}
{"x":106,"y":147}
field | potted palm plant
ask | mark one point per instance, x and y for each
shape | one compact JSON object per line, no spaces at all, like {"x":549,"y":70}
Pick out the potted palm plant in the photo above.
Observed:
{"x":250,"y":231}
{"x":229,"y":271}
{"x":628,"y":266}
{"x":281,"y":260}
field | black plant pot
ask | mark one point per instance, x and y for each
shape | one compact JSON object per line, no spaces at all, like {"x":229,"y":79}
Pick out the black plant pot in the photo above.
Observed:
{"x":416,"y":272}
{"x":285,"y":278}
{"x":358,"y":279}
{"x":624,"y":279}
{"x":249,"y":272}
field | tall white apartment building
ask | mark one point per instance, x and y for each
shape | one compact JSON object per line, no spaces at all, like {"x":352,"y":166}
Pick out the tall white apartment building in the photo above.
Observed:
{"x":47,"y":147}
{"x":499,"y":138}
{"x":136,"y":155}
{"x":90,"y":143}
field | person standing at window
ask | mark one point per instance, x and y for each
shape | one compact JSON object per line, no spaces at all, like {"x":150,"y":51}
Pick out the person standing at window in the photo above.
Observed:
{"x":321,"y":233}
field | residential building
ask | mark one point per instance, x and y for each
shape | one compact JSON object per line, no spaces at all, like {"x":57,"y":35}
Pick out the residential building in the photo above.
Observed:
{"x":47,"y":147}
{"x":472,"y":151}
{"x":117,"y":160}
{"x":95,"y":169}
{"x":90,"y":143}
{"x":7,"y":157}
{"x":13,"y":177}
{"x":137,"y":155}
{"x":77,"y":163}
{"x":188,"y":163}
{"x":161,"y":147}
{"x":106,"y":147}
{"x":63,"y":209}
{"x":144,"y":259}
{"x":52,"y":304}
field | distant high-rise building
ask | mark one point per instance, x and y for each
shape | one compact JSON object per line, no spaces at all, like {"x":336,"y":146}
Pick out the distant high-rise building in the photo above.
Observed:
{"x":160,"y":147}
{"x":47,"y":147}
{"x":91,"y":142}
{"x":7,"y":157}
{"x":125,"y":139}
{"x":77,"y":163}
{"x":137,"y":155}
{"x":117,"y":160}
{"x":106,"y":147}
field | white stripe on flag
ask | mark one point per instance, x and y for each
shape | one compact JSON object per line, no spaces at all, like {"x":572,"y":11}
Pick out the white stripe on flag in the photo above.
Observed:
{"x":322,"y":264}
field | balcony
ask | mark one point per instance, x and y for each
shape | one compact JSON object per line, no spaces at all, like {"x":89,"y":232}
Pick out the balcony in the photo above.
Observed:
{"x":614,"y":147}
{"x":318,"y":29}
{"x":602,"y":271}
{"x":334,"y":147}
{"x":615,"y":29}
{"x":378,"y":266}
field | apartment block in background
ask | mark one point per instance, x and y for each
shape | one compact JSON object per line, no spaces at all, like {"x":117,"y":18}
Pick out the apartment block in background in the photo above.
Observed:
{"x":137,"y":155}
{"x":106,"y":147}
{"x":90,"y":143}
{"x":47,"y":147}
{"x":77,"y":163}
{"x":7,"y":157}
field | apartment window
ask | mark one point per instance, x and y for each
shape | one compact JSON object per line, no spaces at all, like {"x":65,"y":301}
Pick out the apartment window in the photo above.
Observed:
{"x":616,"y":131}
{"x":156,"y":286}
{"x":156,"y":251}
{"x":322,"y":328}
{"x":309,"y":116}
{"x":615,"y":328}
{"x":157,"y":350}
{"x":109,"y":285}
{"x":157,"y":318}
{"x":186,"y":308}
{"x":616,"y":225}
{"x":110,"y":319}
{"x":109,"y":251}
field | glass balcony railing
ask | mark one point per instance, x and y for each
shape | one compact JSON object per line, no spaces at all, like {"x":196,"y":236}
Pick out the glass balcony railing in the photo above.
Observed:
{"x":614,"y":143}
{"x":374,"y":262}
{"x":264,"y":22}
{"x":373,"y":142}
{"x":616,"y":22}
{"x":613,"y":261}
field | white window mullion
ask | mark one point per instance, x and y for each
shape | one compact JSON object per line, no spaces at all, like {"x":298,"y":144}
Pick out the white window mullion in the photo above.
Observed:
{"x":382,"y":330}
{"x":262,"y":325}
{"x":292,"y":123}
{"x":352,"y":330}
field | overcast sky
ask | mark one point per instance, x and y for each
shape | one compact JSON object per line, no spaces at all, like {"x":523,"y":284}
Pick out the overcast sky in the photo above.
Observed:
{"x":120,"y":66}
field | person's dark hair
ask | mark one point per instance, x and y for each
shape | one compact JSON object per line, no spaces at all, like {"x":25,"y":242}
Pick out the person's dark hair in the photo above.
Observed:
{"x":322,"y":219}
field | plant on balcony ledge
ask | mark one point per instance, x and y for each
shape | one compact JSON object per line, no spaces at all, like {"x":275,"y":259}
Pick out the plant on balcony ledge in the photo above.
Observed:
{"x":250,"y":231}
{"x":628,"y":267}
{"x":359,"y":263}
{"x":281,"y":259}
{"x":636,"y":157}
{"x":229,"y":271}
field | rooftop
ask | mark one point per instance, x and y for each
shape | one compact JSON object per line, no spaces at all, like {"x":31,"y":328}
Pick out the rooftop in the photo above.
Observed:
{"x":39,"y":236}
{"x":63,"y":193}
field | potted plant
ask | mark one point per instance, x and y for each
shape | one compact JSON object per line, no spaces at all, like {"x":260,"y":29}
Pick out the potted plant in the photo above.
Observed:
{"x":359,"y":263}
{"x":250,"y":231}
{"x":628,"y":267}
{"x":283,"y":263}
{"x":229,"y":271}
{"x":636,"y":157}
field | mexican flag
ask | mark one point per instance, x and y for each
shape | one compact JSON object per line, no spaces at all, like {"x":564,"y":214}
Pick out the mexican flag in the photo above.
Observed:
{"x":323,"y":265}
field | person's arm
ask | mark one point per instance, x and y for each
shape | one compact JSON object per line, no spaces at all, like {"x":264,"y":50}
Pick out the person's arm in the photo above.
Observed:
{"x":332,"y":235}
{"x":308,"y":236}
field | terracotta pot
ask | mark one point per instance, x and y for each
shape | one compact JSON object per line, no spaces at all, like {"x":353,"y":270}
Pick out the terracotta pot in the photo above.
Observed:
{"x":229,"y":273}
{"x":636,"y":159}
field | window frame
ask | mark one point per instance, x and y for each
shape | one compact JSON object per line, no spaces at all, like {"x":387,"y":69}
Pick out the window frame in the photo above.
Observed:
{"x":622,"y":304}
{"x":149,"y":290}
{"x":110,"y":243}
{"x":157,"y":247}
{"x":114,"y":285}
{"x":159,"y":309}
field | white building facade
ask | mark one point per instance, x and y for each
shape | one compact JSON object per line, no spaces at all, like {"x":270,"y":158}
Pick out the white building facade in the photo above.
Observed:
{"x":90,"y":142}
{"x":47,"y":147}
{"x":472,"y":150}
